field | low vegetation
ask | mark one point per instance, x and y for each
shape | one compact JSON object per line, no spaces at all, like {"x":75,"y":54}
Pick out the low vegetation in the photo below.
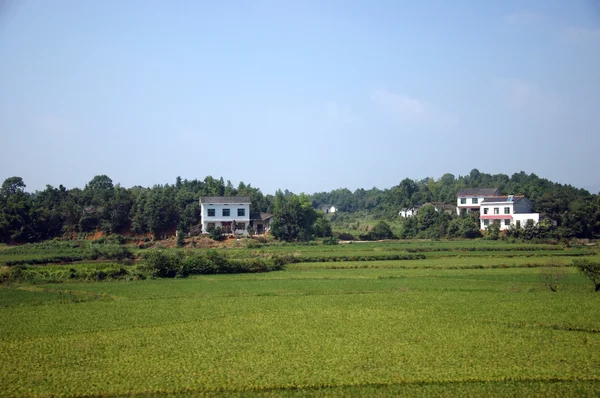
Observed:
{"x":386,"y":318}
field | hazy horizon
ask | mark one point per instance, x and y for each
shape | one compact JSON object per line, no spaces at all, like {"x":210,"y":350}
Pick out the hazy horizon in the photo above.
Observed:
{"x":309,"y":96}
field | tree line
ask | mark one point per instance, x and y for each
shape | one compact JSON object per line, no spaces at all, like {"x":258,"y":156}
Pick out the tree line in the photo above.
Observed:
{"x":576,"y":211}
{"x":104,"y":206}
{"x":110,"y":208}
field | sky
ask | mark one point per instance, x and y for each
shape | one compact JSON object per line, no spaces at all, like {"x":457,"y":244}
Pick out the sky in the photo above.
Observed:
{"x":302,"y":95}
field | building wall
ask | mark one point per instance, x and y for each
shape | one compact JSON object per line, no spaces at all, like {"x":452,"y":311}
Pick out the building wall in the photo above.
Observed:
{"x":408,"y":213}
{"x":218,"y":218}
{"x":523,"y":217}
{"x":469,"y":205}
{"x":504,"y":224}
{"x":491,"y":206}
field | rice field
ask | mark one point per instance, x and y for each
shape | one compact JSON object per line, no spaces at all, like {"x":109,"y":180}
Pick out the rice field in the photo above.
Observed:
{"x":439,"y":326}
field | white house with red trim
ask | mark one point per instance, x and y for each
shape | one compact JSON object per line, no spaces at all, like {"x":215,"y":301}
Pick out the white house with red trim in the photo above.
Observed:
{"x":506,"y":211}
{"x":469,"y":199}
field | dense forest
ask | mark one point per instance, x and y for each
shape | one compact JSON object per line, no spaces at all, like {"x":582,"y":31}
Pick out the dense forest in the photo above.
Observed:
{"x":104,"y":206}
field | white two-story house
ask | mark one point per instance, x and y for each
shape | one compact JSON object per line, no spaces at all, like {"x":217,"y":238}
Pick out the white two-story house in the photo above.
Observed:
{"x":230,"y":213}
{"x":469,"y":199}
{"x":506,"y":211}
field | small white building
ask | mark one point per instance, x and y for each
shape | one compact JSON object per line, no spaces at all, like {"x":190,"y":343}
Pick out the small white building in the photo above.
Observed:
{"x":261,"y":222}
{"x":409,"y":211}
{"x":230,"y":213}
{"x":469,"y":199}
{"x":506,"y":211}
{"x":328,"y":209}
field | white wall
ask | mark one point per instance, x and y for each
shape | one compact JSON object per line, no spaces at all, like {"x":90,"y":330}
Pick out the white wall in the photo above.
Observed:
{"x":523,"y":217}
{"x":469,"y":204}
{"x":408,"y":212}
{"x":490,"y":208}
{"x":219,"y":218}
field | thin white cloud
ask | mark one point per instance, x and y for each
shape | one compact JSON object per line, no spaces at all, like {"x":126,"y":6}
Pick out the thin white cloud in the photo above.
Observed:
{"x":338,"y":115}
{"x":56,"y":126}
{"x":526,"y":97}
{"x":409,"y":110}
{"x":523,"y":18}
{"x":582,"y":34}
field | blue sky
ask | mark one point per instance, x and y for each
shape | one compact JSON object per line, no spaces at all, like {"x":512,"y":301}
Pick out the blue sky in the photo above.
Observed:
{"x":303,"y":95}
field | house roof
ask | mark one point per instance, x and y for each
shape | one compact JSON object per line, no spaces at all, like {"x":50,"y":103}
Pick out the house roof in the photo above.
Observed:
{"x":225,"y":199}
{"x":503,"y":199}
{"x":260,"y":216}
{"x":415,"y":207}
{"x":478,"y":192}
{"x":442,"y":205}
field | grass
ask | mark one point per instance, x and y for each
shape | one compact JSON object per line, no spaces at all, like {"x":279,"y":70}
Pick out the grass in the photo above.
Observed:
{"x":472,"y":318}
{"x":339,"y":332}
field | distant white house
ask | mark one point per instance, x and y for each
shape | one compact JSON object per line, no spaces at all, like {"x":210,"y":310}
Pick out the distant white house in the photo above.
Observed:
{"x":409,"y":211}
{"x":438,"y":206}
{"x":230,"y":213}
{"x":328,"y":209}
{"x":469,"y":199}
{"x":506,"y":211}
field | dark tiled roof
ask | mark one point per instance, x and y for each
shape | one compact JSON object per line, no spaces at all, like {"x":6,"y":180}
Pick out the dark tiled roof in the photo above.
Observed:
{"x":503,"y":199}
{"x":478,"y":192}
{"x":260,"y":216}
{"x":442,"y":205}
{"x":225,"y":199}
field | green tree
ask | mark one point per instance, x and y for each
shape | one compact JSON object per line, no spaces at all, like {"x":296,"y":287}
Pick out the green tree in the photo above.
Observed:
{"x":293,"y":217}
{"x":590,"y":269}
{"x":381,"y":230}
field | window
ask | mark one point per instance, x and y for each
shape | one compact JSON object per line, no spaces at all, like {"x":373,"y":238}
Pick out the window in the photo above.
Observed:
{"x":210,"y":226}
{"x":241,"y":212}
{"x":226,"y":212}
{"x":475,"y":201}
{"x":507,"y":210}
{"x":240,"y":225}
{"x":518,"y":223}
{"x":506,"y":222}
{"x":485,"y":210}
{"x":211,"y":213}
{"x":497,"y":222}
{"x":486,"y":222}
{"x":496,"y":210}
{"x":463,"y":201}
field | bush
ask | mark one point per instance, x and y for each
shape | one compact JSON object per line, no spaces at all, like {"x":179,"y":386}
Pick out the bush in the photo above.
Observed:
{"x":180,"y":237}
{"x":197,"y":265}
{"x":253,"y":244}
{"x":216,"y":233}
{"x":344,"y":236}
{"x":332,"y":240}
{"x":590,"y":269}
{"x":163,"y":265}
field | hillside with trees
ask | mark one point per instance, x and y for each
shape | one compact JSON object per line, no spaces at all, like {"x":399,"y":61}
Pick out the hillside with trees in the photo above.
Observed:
{"x":162,"y":209}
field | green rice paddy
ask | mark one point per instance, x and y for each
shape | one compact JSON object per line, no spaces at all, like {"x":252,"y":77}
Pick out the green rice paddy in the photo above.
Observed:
{"x":441,"y":326}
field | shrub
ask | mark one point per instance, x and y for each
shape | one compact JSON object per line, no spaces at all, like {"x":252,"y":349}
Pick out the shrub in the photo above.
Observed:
{"x":590,"y":269}
{"x":197,"y":265}
{"x":216,"y":233}
{"x":180,"y":237}
{"x":332,"y":240}
{"x":253,"y":244}
{"x":344,"y":236}
{"x":163,"y":265}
